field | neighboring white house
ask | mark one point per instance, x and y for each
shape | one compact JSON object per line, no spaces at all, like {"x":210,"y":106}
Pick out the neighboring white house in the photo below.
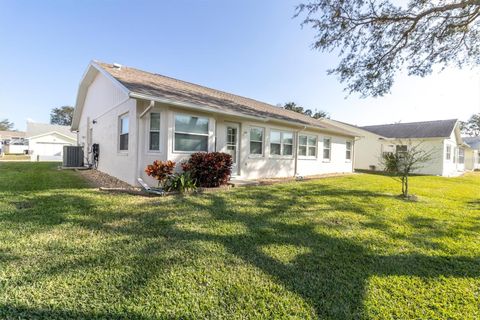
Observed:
{"x":472,"y":155}
{"x":13,"y":142}
{"x":442,"y":138}
{"x":46,"y":141}
{"x":137,"y":117}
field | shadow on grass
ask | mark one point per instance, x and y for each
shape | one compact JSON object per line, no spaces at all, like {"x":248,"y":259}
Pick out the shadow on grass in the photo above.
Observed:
{"x":23,"y":312}
{"x":474,"y":204}
{"x":331,"y":275}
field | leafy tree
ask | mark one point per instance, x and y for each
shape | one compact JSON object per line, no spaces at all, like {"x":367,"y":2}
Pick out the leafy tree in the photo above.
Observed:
{"x":402,"y":164}
{"x":292,"y":106}
{"x":321,"y":114}
{"x":6,"y":125}
{"x":471,"y":127}
{"x":62,"y":116}
{"x":376,"y":39}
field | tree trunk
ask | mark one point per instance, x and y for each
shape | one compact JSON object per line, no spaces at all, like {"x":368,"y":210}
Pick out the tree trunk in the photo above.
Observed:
{"x":406,"y":187}
{"x":403,"y":185}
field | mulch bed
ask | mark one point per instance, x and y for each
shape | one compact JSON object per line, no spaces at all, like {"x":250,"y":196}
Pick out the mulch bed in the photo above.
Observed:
{"x":98,"y":179}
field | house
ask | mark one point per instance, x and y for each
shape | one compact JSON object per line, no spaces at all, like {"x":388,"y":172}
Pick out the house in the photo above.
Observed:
{"x":441,"y":137}
{"x":137,"y":117}
{"x":13,"y":142}
{"x":472,"y":155}
{"x":46,"y":141}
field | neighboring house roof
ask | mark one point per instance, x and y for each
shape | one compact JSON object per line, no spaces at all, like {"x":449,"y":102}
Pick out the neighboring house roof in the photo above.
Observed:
{"x":425,"y":129}
{"x":11,"y":134}
{"x":146,"y":85}
{"x":35,"y":129}
{"x":473,"y":142}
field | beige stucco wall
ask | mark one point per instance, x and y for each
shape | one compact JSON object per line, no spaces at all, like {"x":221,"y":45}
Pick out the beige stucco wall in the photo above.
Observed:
{"x":105,"y":103}
{"x":250,"y":167}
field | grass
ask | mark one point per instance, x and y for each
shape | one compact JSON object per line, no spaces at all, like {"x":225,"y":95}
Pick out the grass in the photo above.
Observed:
{"x":335,"y":248}
{"x":12,"y":156}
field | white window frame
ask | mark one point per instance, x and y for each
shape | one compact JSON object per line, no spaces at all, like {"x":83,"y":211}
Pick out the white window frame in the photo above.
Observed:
{"x":448,"y":153}
{"x":329,"y":148}
{"x":193,"y":134}
{"x":255,"y":155}
{"x":282,"y":144}
{"x":306,"y":156}
{"x":149,"y":130}
{"x":119,"y":133}
{"x":348,"y":150}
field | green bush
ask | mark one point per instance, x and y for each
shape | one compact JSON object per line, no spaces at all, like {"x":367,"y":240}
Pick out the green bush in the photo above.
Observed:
{"x":181,"y":182}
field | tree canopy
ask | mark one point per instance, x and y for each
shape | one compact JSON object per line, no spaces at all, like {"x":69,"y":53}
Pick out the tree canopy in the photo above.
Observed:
{"x":471,"y":127}
{"x":6,"y":125}
{"x":292,"y":106}
{"x":377,"y":39}
{"x":62,"y":116}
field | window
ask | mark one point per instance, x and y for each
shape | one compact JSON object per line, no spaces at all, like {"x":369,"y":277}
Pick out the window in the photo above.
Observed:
{"x":401,"y":149}
{"x":191,"y":133}
{"x":281,"y":143}
{"x":348,"y":154}
{"x":307,"y":146}
{"x":454,"y":155}
{"x":448,"y":154}
{"x":256,"y":141}
{"x":326,"y":148}
{"x":123,"y":145}
{"x":154,"y":136}
{"x":461,"y":156}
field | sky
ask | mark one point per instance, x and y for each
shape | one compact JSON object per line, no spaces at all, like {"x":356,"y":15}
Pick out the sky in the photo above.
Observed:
{"x":251,"y":48}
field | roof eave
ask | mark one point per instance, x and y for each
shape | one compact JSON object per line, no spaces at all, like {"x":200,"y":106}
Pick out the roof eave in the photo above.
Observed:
{"x":182,"y":104}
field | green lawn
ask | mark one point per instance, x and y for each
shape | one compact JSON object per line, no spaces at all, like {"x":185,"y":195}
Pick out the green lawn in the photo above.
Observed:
{"x":336,"y":248}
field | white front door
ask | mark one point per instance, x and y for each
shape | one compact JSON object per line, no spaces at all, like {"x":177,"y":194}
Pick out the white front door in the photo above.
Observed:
{"x":231,"y":145}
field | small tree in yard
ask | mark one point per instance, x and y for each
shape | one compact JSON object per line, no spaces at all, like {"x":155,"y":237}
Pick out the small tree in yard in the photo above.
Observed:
{"x":402,"y":164}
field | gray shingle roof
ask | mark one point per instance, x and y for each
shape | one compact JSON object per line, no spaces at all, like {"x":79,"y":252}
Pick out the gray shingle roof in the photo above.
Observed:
{"x":425,"y":129}
{"x":35,"y":129}
{"x":473,"y":142}
{"x":155,"y":85}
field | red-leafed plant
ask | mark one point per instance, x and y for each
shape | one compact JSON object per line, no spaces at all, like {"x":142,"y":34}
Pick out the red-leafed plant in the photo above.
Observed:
{"x":209,"y":169}
{"x":160,"y":170}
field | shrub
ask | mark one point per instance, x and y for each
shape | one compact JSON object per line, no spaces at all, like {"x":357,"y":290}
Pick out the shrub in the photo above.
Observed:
{"x":181,"y":182}
{"x":209,"y":169}
{"x":160,"y":170}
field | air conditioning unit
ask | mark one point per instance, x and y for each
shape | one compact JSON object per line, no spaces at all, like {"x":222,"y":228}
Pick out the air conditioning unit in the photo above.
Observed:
{"x":73,"y":156}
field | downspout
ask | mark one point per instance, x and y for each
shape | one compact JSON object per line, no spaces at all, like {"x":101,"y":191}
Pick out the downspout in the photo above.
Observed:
{"x":296,"y":151}
{"x":137,"y":159}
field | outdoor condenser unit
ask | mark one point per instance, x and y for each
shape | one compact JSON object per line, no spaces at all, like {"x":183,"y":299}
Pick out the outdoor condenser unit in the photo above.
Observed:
{"x":72,"y":156}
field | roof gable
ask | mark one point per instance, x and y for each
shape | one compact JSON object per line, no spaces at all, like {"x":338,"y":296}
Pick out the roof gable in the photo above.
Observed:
{"x":35,"y":129}
{"x":425,"y":129}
